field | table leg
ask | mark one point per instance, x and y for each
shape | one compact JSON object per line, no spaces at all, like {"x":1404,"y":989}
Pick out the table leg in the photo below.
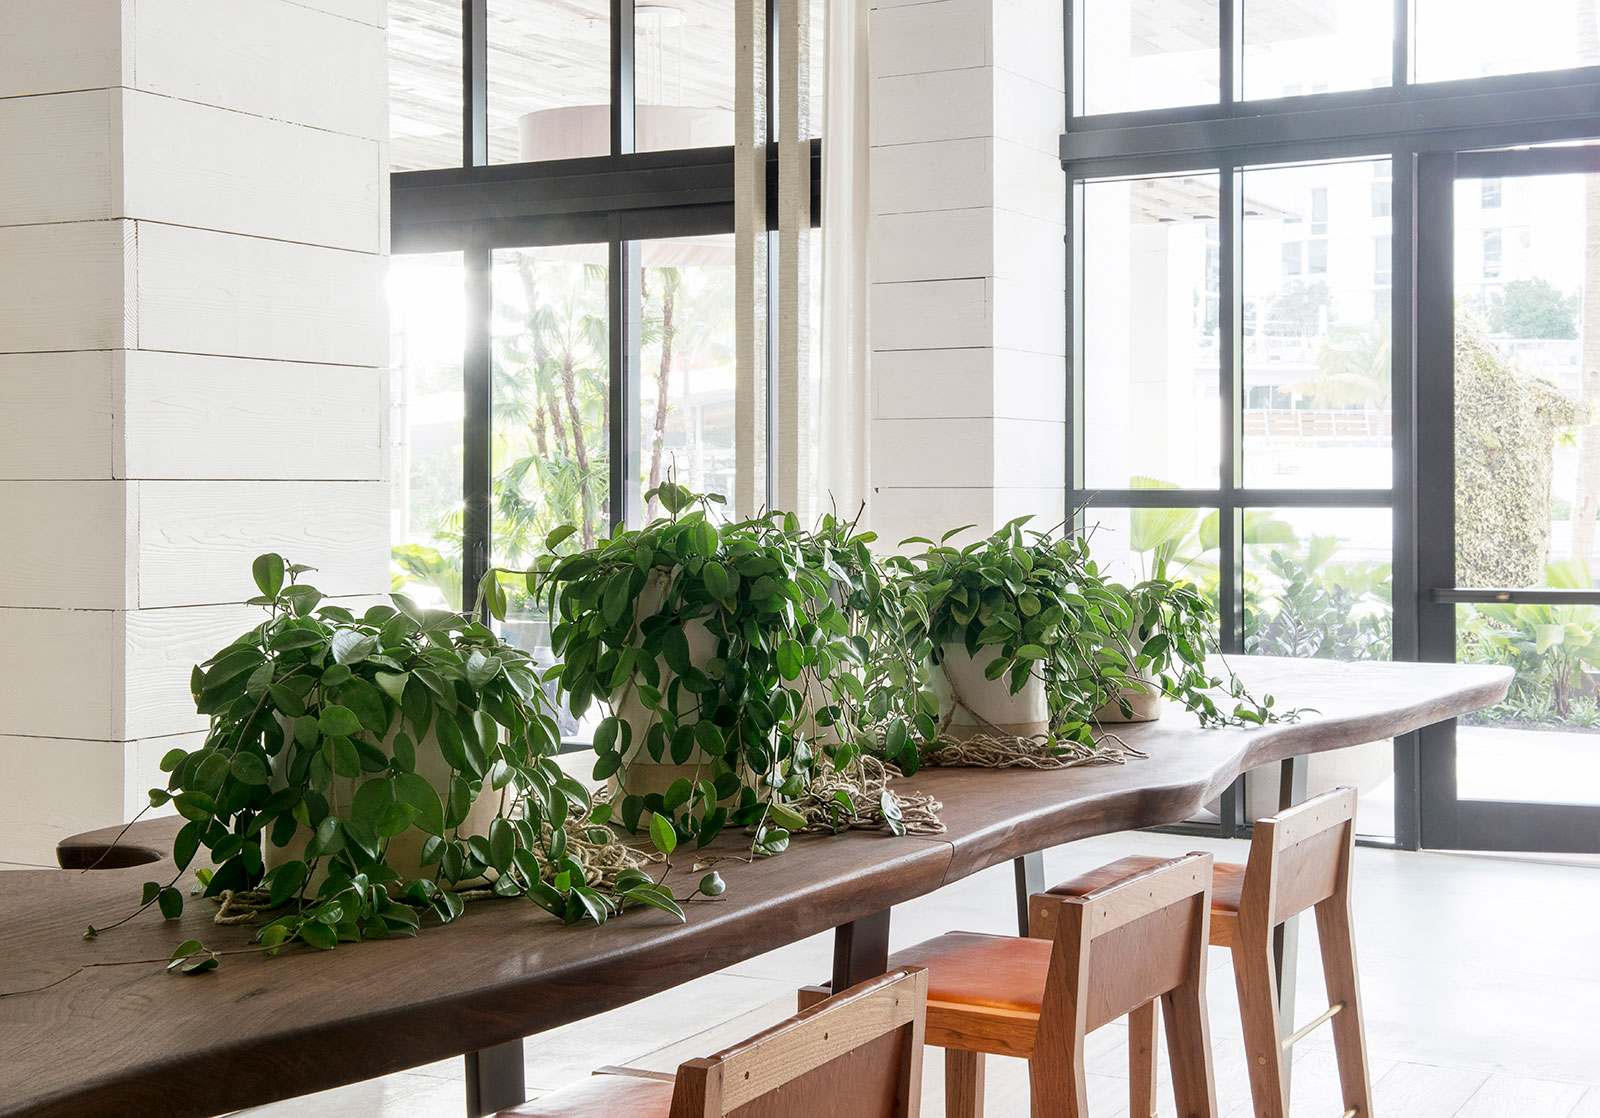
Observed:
{"x":1286,"y":936}
{"x":860,"y":950}
{"x":1030,"y":880}
{"x":495,"y":1079}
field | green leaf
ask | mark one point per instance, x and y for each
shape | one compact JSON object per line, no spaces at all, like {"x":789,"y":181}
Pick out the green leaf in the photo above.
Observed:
{"x":268,"y":571}
{"x":675,"y":649}
{"x":557,"y":537}
{"x":605,"y":735}
{"x":338,"y":721}
{"x":286,"y":882}
{"x":481,"y":669}
{"x":170,"y":902}
{"x":715,"y":577}
{"x":502,"y":842}
{"x":196,"y":806}
{"x":152,"y":890}
{"x":786,"y":817}
{"x":249,"y":768}
{"x":318,"y":935}
{"x":662,"y":835}
{"x":302,"y":599}
{"x":709,"y":737}
{"x":351,"y":646}
{"x":367,"y":702}
{"x":789,"y":659}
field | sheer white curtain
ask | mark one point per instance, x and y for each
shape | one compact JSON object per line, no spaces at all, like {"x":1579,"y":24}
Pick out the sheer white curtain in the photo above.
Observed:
{"x":844,"y":399}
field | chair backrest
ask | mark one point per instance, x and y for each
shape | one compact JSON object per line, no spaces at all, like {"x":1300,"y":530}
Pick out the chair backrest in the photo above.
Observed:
{"x":1124,"y":943}
{"x":1298,"y":858}
{"x":856,"y":1055}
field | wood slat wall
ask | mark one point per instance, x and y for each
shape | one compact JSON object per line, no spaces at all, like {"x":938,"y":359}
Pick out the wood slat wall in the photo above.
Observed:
{"x":193,"y":341}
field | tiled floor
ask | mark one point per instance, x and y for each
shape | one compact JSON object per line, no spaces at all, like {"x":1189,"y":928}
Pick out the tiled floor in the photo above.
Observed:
{"x":1481,"y":978}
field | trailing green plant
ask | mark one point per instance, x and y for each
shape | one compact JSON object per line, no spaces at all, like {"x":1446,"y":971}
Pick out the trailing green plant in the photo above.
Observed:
{"x":316,"y":705}
{"x":1040,"y":603}
{"x":755,"y":712}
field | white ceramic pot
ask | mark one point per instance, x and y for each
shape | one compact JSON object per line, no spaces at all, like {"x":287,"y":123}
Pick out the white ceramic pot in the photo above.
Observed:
{"x":1144,"y":706}
{"x":975,"y":705}
{"x":642,"y":774}
{"x":404,"y":851}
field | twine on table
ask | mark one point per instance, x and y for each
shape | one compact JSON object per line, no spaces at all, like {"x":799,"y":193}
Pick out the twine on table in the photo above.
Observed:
{"x":864,"y":784}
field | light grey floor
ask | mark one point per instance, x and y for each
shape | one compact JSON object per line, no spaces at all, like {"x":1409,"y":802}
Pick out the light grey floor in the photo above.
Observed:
{"x":1481,"y":978}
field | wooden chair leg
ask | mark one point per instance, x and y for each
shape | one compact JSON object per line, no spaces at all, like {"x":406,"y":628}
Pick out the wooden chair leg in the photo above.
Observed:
{"x":1334,"y":933}
{"x":963,"y":1084}
{"x":1142,"y":1047}
{"x":1051,"y":1097}
{"x":1258,"y":1010}
{"x":1194,"y":1087}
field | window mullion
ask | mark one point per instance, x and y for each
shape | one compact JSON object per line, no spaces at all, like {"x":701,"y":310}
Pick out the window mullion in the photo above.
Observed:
{"x":1230,"y":351}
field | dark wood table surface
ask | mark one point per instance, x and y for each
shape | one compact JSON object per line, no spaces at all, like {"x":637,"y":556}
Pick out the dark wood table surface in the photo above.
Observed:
{"x":131,"y":1039}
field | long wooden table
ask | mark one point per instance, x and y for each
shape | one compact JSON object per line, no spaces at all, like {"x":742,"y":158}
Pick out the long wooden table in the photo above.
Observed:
{"x":131,"y":1039}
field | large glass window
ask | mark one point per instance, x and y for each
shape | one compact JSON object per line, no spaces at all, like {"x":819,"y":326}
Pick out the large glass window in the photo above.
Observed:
{"x":1293,"y":48}
{"x":1149,"y":54}
{"x":427,"y":303}
{"x":425,"y":93}
{"x":549,"y":79}
{"x":1151,"y":331}
{"x":683,"y":74}
{"x":1476,"y":38}
{"x":1317,"y":346}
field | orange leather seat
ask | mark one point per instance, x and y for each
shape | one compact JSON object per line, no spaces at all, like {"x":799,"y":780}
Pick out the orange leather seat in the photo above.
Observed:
{"x":1227,"y":881}
{"x":1006,"y":973}
{"x":610,"y":1096}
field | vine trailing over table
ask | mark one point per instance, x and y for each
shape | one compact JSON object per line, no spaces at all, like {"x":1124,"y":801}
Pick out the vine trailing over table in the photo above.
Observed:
{"x":323,"y":726}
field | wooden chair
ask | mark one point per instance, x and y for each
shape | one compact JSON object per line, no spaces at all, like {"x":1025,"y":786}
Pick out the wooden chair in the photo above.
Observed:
{"x":1299,"y":859}
{"x":1113,"y":951}
{"x":856,"y":1056}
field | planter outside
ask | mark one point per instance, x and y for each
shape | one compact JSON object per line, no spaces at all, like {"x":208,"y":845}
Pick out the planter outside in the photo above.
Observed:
{"x":985,"y":706}
{"x":404,"y":851}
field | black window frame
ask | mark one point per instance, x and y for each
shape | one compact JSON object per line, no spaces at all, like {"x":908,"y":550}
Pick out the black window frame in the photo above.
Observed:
{"x":1406,"y":122}
{"x":618,"y":199}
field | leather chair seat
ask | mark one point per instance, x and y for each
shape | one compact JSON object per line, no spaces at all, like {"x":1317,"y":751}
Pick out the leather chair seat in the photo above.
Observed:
{"x":601,"y":1096}
{"x":1005,"y":973}
{"x":1227,"y":880}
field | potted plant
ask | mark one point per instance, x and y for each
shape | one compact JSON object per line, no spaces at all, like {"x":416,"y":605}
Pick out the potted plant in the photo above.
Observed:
{"x":359,"y":769}
{"x":1025,"y":637}
{"x":711,"y":648}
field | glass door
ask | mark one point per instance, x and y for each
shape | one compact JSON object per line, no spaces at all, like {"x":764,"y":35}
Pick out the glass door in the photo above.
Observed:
{"x":1508,"y":469}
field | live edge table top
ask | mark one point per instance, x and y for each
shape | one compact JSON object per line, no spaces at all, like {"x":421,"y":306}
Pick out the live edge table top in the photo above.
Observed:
{"x":123,"y":1040}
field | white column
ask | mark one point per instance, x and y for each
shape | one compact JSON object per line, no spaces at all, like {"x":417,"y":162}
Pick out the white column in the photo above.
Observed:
{"x":968,"y":267}
{"x":193,"y":326}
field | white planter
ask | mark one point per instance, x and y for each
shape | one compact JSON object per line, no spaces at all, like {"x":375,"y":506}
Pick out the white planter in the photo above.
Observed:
{"x":404,"y":851}
{"x":1144,"y":706}
{"x":642,"y":774}
{"x":985,"y":705}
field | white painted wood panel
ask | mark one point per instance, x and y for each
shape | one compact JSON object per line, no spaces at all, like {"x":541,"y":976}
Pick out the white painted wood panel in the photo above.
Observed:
{"x":1029,"y":249}
{"x":939,"y":314}
{"x":1028,"y":181}
{"x":191,"y":164}
{"x":198,"y":538}
{"x":1029,"y":316}
{"x":55,"y":157}
{"x":56,"y":415}
{"x":373,"y":12}
{"x":900,"y":513}
{"x":936,"y":453}
{"x":944,"y":105}
{"x":189,"y":416}
{"x":1027,"y":112}
{"x":160,"y":648}
{"x":935,"y":244}
{"x":68,"y":544}
{"x":946,"y":175}
{"x":1027,"y":39}
{"x":51,"y":788}
{"x":39,"y":54}
{"x":1047,"y":505}
{"x":206,"y":292}
{"x":1029,"y":385}
{"x":58,"y":672}
{"x":1030,"y":452}
{"x":933,"y":383}
{"x":142,"y":772}
{"x":269,"y":57}
{"x":63,"y":286}
{"x":922,"y":38}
